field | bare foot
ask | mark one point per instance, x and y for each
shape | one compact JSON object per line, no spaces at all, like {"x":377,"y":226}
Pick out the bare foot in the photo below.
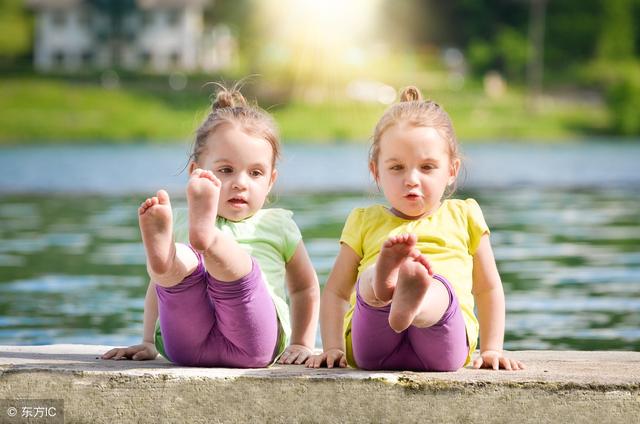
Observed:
{"x":393,"y":253}
{"x":203,"y":193}
{"x":414,"y":280}
{"x":156,"y":222}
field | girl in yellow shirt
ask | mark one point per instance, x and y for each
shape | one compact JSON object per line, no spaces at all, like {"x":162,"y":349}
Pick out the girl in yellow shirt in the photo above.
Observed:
{"x":402,"y":291}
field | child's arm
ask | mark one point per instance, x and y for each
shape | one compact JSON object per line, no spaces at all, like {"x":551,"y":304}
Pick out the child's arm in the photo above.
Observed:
{"x":334,"y":306}
{"x":147,"y":349}
{"x":150,"y":314}
{"x":304,"y":293}
{"x":489,"y":297}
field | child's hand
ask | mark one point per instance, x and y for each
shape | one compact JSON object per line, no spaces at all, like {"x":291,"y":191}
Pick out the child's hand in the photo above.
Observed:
{"x":295,"y":354}
{"x":496,"y":360}
{"x":141,"y":352}
{"x":332,"y":357}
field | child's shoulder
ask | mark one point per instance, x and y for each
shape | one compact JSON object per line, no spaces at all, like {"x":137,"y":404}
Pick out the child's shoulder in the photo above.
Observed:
{"x":461,"y":205}
{"x":273,"y":216}
{"x":367,"y":213}
{"x":466,"y":212}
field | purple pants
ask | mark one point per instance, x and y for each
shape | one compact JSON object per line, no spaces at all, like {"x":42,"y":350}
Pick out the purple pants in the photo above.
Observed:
{"x":376,"y":346}
{"x":206,"y":322}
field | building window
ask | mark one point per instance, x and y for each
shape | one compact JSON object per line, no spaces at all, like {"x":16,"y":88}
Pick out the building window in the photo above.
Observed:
{"x":145,"y":58}
{"x":174,"y":59}
{"x":87,"y":58}
{"x":146,"y":19}
{"x":58,"y":18}
{"x":84,"y":18}
{"x":58,"y":58}
{"x":173,"y":17}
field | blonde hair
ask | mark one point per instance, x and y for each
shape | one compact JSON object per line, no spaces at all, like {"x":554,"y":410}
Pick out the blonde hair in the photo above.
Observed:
{"x":230,"y":107}
{"x":412,"y":110}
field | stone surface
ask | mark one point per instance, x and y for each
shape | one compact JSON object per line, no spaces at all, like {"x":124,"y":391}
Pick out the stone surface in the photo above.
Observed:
{"x":566,"y":386}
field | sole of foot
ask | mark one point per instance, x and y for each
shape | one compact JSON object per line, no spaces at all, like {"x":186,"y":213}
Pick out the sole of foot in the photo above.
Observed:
{"x":203,"y":193}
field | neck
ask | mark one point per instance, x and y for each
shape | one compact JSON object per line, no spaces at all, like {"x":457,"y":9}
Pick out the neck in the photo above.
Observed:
{"x":413,"y":218}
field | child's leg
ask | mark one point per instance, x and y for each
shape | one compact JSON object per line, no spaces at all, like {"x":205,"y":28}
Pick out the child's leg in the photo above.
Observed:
{"x":402,"y":276}
{"x":209,"y":323}
{"x":167,"y":263}
{"x":186,"y":317}
{"x":224,"y":259}
{"x":442,"y":346}
{"x":375,"y":345}
{"x":246,"y":319}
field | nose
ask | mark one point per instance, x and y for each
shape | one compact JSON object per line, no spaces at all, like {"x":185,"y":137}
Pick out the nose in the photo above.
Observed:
{"x":411,"y":178}
{"x":240,"y":181}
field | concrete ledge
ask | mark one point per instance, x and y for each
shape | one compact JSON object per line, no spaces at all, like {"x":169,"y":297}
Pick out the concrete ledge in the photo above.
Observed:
{"x":556,"y":387}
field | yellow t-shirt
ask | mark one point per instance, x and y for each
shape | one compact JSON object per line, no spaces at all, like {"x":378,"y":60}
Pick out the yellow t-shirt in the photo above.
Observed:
{"x":449,"y":238}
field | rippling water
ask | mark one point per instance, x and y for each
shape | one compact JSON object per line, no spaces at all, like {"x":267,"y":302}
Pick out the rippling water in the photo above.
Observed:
{"x":72,"y":266}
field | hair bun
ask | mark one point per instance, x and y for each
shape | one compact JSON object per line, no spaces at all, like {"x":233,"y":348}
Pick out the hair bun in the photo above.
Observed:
{"x":410,"y":94}
{"x":228,"y":98}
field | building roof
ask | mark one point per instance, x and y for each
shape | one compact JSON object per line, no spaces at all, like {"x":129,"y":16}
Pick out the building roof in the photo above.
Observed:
{"x":151,"y":4}
{"x":52,"y":4}
{"x":142,"y":4}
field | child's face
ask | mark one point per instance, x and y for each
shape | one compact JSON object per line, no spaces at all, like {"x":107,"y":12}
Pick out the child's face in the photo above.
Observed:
{"x":414,"y":169}
{"x":242,"y":162}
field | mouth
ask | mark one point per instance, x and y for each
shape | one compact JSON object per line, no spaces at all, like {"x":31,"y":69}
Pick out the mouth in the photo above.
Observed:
{"x":412,"y":196}
{"x":237,"y":201}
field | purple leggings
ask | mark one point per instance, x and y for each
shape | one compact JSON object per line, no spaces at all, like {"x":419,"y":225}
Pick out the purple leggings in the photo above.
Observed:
{"x":206,"y":322}
{"x":376,"y":346}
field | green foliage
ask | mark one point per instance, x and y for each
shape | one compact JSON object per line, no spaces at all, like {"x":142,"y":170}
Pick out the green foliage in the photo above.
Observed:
{"x":571,"y":32}
{"x":507,"y":53}
{"x":617,"y":34}
{"x":512,"y":49}
{"x":620,"y":81}
{"x":623,"y":99}
{"x":481,"y":56}
{"x":16,"y":28}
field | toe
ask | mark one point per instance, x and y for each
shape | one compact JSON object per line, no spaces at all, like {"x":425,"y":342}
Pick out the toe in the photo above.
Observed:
{"x":163,"y":197}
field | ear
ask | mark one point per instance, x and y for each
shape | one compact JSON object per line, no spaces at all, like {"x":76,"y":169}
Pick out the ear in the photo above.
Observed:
{"x":274,"y":177}
{"x":374,"y":171}
{"x":453,"y":171}
{"x":192,"y":167}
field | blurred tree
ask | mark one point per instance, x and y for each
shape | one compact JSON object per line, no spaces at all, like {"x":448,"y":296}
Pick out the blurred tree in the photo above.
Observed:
{"x":535,"y":65}
{"x":616,"y":41}
{"x":571,"y":32}
{"x":16,"y":32}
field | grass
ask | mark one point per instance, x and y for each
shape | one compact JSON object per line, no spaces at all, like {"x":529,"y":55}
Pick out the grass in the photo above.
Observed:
{"x":52,"y":109}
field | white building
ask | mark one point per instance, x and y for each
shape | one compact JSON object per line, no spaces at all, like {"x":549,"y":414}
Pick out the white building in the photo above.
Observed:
{"x":152,"y":35}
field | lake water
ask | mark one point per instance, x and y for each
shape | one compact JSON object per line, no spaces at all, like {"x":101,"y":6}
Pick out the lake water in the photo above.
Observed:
{"x":564,"y":219}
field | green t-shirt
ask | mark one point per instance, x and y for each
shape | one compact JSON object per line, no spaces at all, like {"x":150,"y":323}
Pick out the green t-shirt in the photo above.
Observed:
{"x":271,"y":237}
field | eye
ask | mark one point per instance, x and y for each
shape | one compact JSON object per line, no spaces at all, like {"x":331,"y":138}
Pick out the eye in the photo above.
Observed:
{"x":225,"y":170}
{"x":397,"y":167}
{"x":428,"y":167}
{"x":256,"y":173}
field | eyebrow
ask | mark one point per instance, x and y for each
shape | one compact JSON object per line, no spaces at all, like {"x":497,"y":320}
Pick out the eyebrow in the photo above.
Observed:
{"x":229,"y":161}
{"x":400,"y":160}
